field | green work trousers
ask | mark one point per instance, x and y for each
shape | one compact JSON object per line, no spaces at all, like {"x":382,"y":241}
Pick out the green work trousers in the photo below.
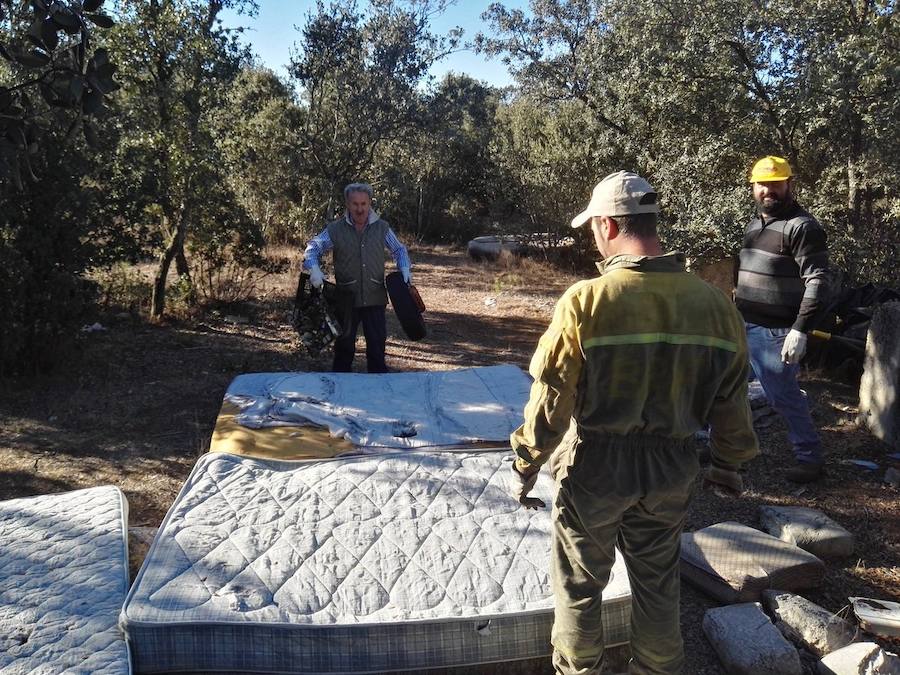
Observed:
{"x":630,"y":491}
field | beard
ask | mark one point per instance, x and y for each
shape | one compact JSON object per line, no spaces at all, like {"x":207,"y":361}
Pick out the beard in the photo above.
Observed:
{"x":770,"y":204}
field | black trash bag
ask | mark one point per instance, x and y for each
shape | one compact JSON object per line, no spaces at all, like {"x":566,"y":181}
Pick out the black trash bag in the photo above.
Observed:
{"x":848,"y":315}
{"x":320,"y":315}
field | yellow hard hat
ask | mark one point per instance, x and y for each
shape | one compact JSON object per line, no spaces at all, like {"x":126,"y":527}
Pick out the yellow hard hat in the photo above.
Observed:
{"x":770,"y":168}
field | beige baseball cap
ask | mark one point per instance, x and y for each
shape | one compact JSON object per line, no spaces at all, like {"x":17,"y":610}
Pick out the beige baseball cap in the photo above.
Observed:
{"x":622,"y":193}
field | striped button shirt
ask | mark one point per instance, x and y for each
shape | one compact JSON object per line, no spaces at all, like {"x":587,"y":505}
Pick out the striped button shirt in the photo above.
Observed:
{"x":783,"y":275}
{"x":321,"y":244}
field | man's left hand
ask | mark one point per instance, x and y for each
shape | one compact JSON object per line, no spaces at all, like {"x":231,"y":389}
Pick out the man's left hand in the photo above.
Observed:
{"x":794,"y":347}
{"x":524,"y":483}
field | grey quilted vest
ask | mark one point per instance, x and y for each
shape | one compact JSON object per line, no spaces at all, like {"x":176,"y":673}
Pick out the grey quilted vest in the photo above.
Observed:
{"x":359,"y":260}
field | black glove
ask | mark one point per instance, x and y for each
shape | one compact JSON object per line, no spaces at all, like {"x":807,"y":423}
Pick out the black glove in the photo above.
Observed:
{"x":724,"y":479}
{"x":523,"y":484}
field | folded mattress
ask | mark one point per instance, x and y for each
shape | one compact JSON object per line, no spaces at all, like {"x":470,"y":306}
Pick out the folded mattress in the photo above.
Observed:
{"x":399,"y":561}
{"x":63,"y":579}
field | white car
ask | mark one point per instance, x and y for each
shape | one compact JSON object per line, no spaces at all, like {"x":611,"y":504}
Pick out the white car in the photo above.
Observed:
{"x":490,"y":246}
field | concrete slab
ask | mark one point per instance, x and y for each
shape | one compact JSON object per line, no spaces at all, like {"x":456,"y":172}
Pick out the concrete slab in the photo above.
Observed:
{"x":736,"y":563}
{"x":810,"y":529}
{"x":860,"y":658}
{"x":879,"y":388}
{"x":806,"y":624}
{"x":747,"y":643}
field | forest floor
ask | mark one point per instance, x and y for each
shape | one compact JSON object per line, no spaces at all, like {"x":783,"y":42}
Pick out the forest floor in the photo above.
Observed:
{"x":136,"y":404}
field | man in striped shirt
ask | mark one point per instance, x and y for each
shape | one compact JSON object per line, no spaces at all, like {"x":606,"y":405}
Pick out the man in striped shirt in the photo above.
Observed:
{"x":358,"y":240}
{"x":781,"y":293}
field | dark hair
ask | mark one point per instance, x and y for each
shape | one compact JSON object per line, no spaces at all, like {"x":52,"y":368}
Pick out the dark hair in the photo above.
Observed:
{"x":640,"y":225}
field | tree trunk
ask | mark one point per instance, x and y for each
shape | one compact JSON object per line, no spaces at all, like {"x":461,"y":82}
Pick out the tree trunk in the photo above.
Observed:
{"x":176,"y":244}
{"x":181,"y":263}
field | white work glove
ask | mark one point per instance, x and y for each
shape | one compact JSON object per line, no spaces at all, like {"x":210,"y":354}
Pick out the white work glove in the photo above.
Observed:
{"x":794,"y":347}
{"x":407,"y":275}
{"x":316,"y":277}
{"x":523,"y":484}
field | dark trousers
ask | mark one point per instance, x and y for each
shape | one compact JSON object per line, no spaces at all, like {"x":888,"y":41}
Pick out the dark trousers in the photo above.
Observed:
{"x":375,"y":330}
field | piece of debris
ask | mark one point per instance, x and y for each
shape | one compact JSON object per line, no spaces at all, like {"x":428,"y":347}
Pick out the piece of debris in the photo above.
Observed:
{"x":810,"y":529}
{"x":892,"y":477}
{"x":863,"y":464}
{"x":235,"y":319}
{"x":806,"y":624}
{"x":881,"y":617}
{"x":93,"y":328}
{"x":859,"y":658}
{"x":747,"y":643}
{"x":736,"y":563}
{"x":490,"y":302}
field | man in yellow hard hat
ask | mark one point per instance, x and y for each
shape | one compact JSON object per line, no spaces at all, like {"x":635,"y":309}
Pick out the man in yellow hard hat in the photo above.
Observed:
{"x":781,"y":293}
{"x":634,"y":362}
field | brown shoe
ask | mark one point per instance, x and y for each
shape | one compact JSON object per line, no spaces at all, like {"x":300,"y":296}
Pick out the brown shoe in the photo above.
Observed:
{"x":804,"y":472}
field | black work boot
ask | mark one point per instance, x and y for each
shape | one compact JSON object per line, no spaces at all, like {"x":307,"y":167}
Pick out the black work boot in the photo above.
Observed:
{"x":804,"y":472}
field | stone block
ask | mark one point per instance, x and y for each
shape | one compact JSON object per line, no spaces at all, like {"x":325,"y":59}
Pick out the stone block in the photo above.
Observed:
{"x":860,"y":658}
{"x":735,"y":563}
{"x":809,"y":529}
{"x":879,"y":388}
{"x":806,"y":624}
{"x":747,"y":643}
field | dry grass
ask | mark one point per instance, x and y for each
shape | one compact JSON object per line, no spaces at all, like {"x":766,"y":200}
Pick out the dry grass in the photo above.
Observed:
{"x":137,"y":407}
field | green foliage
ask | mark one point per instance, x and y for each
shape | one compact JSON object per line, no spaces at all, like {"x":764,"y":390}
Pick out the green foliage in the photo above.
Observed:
{"x":53,"y":84}
{"x":178,"y":62}
{"x":51,"y":67}
{"x":691,"y":94}
{"x":256,"y":132}
{"x":439,"y":180}
{"x":359,"y":76}
{"x":46,"y":233}
{"x":122,"y":286}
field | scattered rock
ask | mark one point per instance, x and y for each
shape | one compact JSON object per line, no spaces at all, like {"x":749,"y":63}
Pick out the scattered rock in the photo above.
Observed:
{"x":806,"y":624}
{"x":860,"y":658}
{"x":735,"y":563}
{"x":879,"y":388}
{"x":892,"y":477}
{"x":881,"y":617}
{"x":809,"y":529}
{"x":235,"y":319}
{"x":747,"y":643}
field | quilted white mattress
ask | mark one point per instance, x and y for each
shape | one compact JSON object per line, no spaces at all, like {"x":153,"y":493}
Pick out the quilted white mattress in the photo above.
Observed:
{"x":382,"y":562}
{"x":63,"y":578}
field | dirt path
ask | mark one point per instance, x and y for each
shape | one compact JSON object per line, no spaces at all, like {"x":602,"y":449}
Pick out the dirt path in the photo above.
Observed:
{"x":136,"y":406}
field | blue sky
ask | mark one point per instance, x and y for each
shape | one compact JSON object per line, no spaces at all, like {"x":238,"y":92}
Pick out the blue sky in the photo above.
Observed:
{"x":272,"y":35}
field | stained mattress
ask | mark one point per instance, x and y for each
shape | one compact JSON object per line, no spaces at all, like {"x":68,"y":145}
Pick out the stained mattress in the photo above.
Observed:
{"x":63,"y":579}
{"x":395,"y":410}
{"x":385,"y":562}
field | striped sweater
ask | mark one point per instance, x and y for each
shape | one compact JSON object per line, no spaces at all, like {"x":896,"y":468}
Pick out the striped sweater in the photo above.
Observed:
{"x":783,"y":274}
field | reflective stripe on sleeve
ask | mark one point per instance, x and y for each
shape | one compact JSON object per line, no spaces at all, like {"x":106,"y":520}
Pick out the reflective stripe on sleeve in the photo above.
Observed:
{"x":669,"y":338}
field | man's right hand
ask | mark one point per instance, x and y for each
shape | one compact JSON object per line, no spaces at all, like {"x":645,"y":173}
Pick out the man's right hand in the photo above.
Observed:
{"x":524,"y":483}
{"x":725,"y":482}
{"x":316,"y":278}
